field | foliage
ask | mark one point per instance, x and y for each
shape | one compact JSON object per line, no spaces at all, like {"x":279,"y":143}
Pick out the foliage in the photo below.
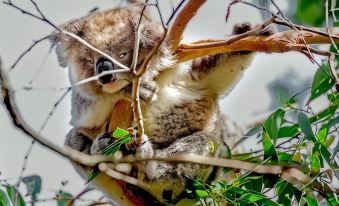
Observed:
{"x":309,"y":140}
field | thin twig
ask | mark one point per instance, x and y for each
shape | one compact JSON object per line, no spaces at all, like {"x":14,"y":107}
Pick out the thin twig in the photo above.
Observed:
{"x":83,"y":192}
{"x":35,"y":42}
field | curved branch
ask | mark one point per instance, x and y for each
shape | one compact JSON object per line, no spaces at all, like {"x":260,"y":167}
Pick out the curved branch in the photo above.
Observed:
{"x":181,"y":21}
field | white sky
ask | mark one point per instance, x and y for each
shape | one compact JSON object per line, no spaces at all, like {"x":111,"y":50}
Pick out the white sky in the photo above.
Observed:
{"x":17,"y":33}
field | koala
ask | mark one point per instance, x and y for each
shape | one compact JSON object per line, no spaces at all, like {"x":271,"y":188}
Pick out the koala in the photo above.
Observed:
{"x":179,"y":101}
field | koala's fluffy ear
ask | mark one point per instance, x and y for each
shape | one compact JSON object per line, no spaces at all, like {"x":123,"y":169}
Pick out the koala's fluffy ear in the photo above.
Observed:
{"x":150,"y":34}
{"x":60,"y":40}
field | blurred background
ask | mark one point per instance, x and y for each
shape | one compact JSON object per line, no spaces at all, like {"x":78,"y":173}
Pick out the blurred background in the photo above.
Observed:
{"x":38,"y":81}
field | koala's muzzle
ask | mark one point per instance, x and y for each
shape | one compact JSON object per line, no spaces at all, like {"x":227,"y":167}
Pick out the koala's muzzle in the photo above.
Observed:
{"x":104,"y":65}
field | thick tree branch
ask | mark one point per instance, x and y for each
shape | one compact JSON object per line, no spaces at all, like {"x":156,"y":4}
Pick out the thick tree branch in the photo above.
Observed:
{"x":181,"y":21}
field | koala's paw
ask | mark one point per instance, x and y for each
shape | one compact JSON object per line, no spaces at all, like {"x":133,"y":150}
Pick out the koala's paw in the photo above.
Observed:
{"x":241,"y":28}
{"x":245,"y":27}
{"x":145,"y":149}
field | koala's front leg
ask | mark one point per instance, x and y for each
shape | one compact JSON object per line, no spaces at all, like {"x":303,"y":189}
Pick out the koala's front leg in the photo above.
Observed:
{"x":199,"y":143}
{"x":220,"y":72}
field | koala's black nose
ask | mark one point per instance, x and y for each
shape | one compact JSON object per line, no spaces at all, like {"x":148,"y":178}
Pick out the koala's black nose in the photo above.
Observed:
{"x":102,"y":66}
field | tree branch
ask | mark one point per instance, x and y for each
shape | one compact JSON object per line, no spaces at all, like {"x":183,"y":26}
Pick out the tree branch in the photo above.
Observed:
{"x":276,"y":43}
{"x":181,"y":21}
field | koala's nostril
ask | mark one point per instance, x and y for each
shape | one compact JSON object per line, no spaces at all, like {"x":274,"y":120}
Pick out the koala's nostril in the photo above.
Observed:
{"x":104,"y":65}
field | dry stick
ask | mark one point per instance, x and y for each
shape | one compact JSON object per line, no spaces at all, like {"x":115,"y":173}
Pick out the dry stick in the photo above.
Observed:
{"x":174,"y":12}
{"x":83,"y":192}
{"x":286,"y":172}
{"x":104,"y":167}
{"x":136,"y":86}
{"x":181,"y":21}
{"x":35,"y":42}
{"x":137,"y":115}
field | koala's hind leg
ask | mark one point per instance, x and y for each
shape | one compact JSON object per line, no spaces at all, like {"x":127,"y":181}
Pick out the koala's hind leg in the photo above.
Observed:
{"x":199,"y":143}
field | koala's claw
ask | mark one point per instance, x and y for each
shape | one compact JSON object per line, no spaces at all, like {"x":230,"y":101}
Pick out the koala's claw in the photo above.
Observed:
{"x":241,"y":28}
{"x":245,"y":27}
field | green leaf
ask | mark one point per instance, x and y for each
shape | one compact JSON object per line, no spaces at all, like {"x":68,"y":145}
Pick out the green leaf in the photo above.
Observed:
{"x":63,"y":198}
{"x":286,"y":192}
{"x":119,"y":133}
{"x":33,"y":185}
{"x":201,"y":193}
{"x":333,"y":122}
{"x":315,"y":164}
{"x":254,"y":183}
{"x":252,"y":197}
{"x":329,"y":141}
{"x":92,"y":175}
{"x":305,"y":127}
{"x":289,"y":131}
{"x":334,"y":98}
{"x":311,"y":200}
{"x":322,"y":82}
{"x":327,"y":113}
{"x":269,"y":150}
{"x":288,"y":158}
{"x":322,"y":133}
{"x":15,"y":196}
{"x":4,"y":199}
{"x":273,"y":123}
{"x":114,"y":147}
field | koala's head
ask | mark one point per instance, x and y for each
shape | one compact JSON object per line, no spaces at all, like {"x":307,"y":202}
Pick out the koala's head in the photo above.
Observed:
{"x":112,"y":32}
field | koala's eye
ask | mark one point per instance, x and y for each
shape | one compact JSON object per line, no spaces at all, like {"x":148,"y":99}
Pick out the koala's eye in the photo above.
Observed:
{"x":123,"y":55}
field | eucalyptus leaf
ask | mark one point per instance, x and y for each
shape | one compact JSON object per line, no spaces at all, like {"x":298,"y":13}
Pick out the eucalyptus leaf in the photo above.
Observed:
{"x":269,"y":149}
{"x":322,"y":82}
{"x":63,"y":198}
{"x":311,"y":200}
{"x":15,"y":196}
{"x":92,"y":175}
{"x":119,"y":133}
{"x":289,"y":131}
{"x":273,"y":123}
{"x":305,"y":127}
{"x":114,"y":147}
{"x":33,"y":185}
{"x":4,"y":199}
{"x":201,"y":193}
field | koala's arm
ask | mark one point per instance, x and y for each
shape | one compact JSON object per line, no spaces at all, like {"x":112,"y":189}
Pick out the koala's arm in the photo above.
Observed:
{"x":220,"y":72}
